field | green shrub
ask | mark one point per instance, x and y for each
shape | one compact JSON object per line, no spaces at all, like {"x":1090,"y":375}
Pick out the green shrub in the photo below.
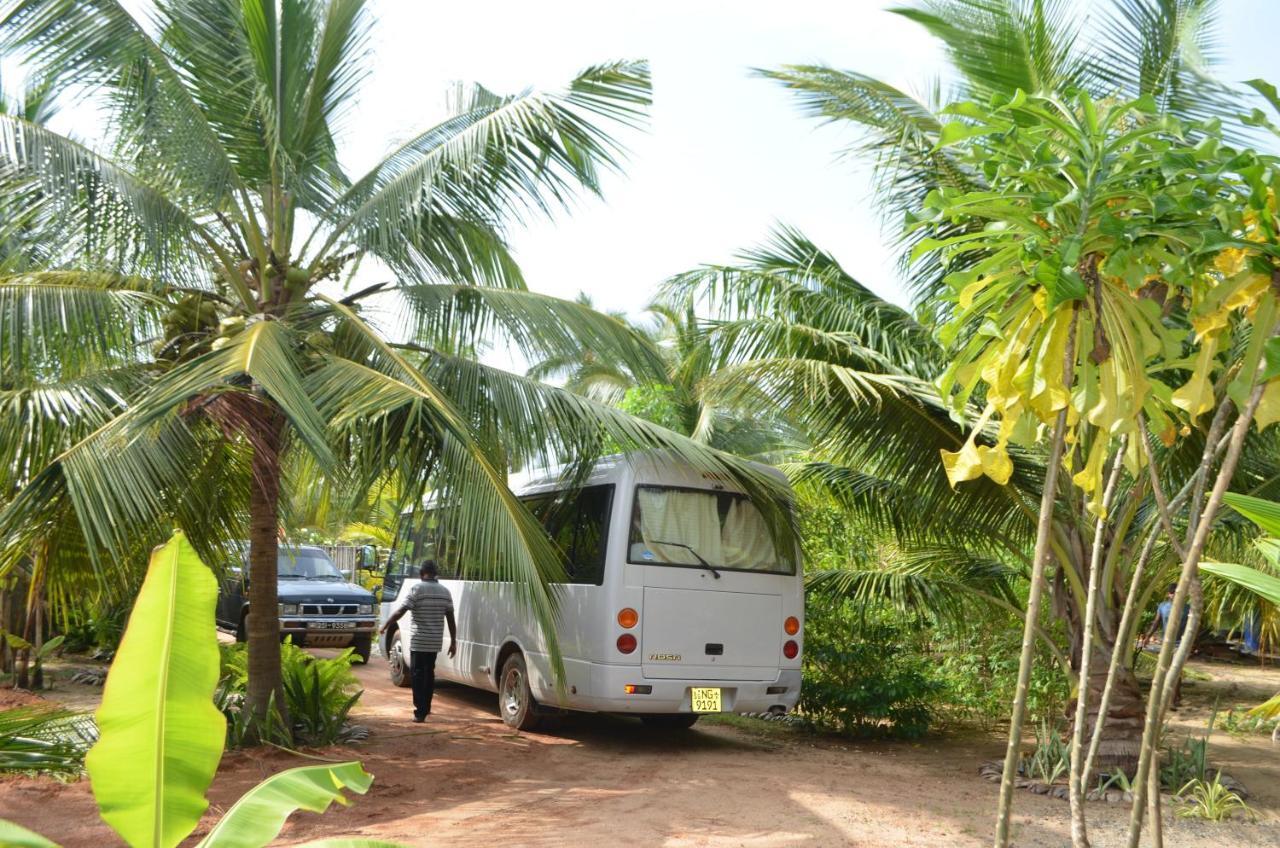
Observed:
{"x":97,"y":632}
{"x":1050,"y":759}
{"x":1185,"y":763}
{"x":319,"y":695}
{"x":1210,"y":800}
{"x":977,"y":664}
{"x":864,"y":675}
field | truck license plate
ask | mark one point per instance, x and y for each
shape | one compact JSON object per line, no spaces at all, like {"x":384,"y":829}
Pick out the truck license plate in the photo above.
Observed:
{"x":705,"y":700}
{"x":331,"y":625}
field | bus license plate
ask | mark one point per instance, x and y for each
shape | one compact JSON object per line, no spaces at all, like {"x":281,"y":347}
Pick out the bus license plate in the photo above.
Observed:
{"x":331,"y":625}
{"x":705,"y":700}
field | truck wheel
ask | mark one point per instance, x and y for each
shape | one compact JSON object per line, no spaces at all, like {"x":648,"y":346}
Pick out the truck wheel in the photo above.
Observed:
{"x":396,"y":664}
{"x":515,"y":700}
{"x":363,"y":647}
{"x":242,"y":628}
{"x":670,"y":721}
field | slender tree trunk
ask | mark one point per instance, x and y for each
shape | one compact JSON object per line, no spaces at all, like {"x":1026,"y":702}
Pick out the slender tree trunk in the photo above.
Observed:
{"x":30,"y":627}
{"x":6,"y":622}
{"x":1153,"y":804}
{"x":1044,"y":528}
{"x":1191,"y":562}
{"x":37,"y":674}
{"x":264,"y":688}
{"x":1076,"y":780}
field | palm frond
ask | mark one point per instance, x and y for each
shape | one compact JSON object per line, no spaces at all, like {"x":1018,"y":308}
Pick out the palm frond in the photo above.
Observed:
{"x":790,"y":281}
{"x":62,"y":322}
{"x":100,"y":46}
{"x":1004,"y":45}
{"x":47,"y":740}
{"x":1167,"y":49}
{"x":110,"y":216}
{"x":456,"y":317}
{"x":494,"y":160}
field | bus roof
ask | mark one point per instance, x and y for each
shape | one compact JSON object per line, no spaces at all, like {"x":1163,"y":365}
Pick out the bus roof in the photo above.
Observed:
{"x":609,"y":468}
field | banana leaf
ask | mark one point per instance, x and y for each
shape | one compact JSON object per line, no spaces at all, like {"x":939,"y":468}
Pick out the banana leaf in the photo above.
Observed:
{"x":1267,"y":710}
{"x":257,"y":817}
{"x":16,"y":836}
{"x":161,"y":737}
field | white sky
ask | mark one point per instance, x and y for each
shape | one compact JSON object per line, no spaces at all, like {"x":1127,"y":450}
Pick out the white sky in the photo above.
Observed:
{"x":727,"y":154}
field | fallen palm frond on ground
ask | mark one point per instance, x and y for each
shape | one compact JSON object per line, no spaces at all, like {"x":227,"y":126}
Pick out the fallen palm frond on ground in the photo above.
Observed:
{"x":45,"y":739}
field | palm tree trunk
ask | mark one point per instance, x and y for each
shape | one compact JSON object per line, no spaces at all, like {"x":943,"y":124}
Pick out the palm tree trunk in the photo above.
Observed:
{"x":1119,"y":679}
{"x":265,"y":688}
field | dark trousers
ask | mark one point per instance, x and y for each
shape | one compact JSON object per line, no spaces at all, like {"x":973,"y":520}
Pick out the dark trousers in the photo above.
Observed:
{"x":423,"y":667}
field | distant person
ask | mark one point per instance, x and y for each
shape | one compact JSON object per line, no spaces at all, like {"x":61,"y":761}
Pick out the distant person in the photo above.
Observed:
{"x":432,"y":606}
{"x":1251,"y":643}
{"x":1163,"y":612}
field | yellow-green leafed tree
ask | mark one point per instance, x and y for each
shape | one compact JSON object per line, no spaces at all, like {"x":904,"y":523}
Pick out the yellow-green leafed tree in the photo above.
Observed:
{"x":1098,"y":290}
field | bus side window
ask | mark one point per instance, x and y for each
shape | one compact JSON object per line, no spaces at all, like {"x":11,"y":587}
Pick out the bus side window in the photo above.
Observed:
{"x":590,"y":534}
{"x":397,"y":568}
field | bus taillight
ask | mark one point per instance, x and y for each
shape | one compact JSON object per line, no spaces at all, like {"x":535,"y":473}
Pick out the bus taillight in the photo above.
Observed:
{"x":791,"y":625}
{"x":627,"y":643}
{"x":628,"y":618}
{"x":789,"y":648}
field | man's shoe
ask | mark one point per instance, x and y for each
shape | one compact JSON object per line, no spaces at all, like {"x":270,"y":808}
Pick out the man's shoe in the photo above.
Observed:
{"x":417,"y":719}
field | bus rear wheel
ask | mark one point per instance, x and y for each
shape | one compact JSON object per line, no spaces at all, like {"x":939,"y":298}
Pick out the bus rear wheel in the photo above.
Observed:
{"x":670,"y":721}
{"x":515,"y":700}
{"x":396,"y":665}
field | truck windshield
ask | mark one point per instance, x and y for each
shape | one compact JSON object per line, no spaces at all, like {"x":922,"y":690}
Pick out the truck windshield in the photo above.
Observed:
{"x":675,"y":526}
{"x":303,"y":564}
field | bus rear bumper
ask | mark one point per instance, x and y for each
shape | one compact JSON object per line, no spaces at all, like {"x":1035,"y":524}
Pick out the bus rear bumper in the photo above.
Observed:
{"x":609,"y":693}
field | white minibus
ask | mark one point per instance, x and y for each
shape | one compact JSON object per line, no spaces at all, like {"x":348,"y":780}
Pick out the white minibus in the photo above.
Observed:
{"x":678,"y":603}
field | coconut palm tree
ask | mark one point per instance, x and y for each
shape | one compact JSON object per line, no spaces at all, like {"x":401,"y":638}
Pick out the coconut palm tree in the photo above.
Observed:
{"x":676,"y":399}
{"x":585,"y":371}
{"x":217,"y":217}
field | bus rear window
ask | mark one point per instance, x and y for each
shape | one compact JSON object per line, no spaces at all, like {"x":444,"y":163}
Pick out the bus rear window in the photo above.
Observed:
{"x":676,"y":526}
{"x":578,"y":523}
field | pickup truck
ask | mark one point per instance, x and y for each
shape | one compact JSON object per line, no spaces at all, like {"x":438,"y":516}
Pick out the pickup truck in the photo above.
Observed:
{"x":317,"y":606}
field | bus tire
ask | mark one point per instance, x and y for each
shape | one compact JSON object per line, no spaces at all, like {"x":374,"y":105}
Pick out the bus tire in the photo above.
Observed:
{"x":396,"y":665}
{"x":670,"y":721}
{"x":363,"y":647}
{"x":516,"y":705}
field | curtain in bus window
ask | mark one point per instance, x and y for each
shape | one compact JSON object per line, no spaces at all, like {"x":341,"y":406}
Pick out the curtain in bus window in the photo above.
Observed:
{"x":745,"y":538}
{"x":690,"y":518}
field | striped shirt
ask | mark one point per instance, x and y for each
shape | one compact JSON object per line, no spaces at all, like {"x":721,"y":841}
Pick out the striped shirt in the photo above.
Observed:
{"x":428,"y":602}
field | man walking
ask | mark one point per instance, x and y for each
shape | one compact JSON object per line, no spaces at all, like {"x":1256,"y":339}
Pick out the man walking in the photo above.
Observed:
{"x":432,"y":606}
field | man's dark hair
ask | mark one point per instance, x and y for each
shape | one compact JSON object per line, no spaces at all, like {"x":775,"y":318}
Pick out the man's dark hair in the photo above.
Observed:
{"x":1173,"y":589}
{"x":428,"y":569}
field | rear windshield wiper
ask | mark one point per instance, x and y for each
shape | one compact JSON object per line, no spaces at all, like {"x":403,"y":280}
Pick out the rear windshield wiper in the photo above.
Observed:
{"x":708,"y":566}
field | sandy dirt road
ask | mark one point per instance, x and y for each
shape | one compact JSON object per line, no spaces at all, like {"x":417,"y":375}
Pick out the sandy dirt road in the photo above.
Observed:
{"x":464,"y":779}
